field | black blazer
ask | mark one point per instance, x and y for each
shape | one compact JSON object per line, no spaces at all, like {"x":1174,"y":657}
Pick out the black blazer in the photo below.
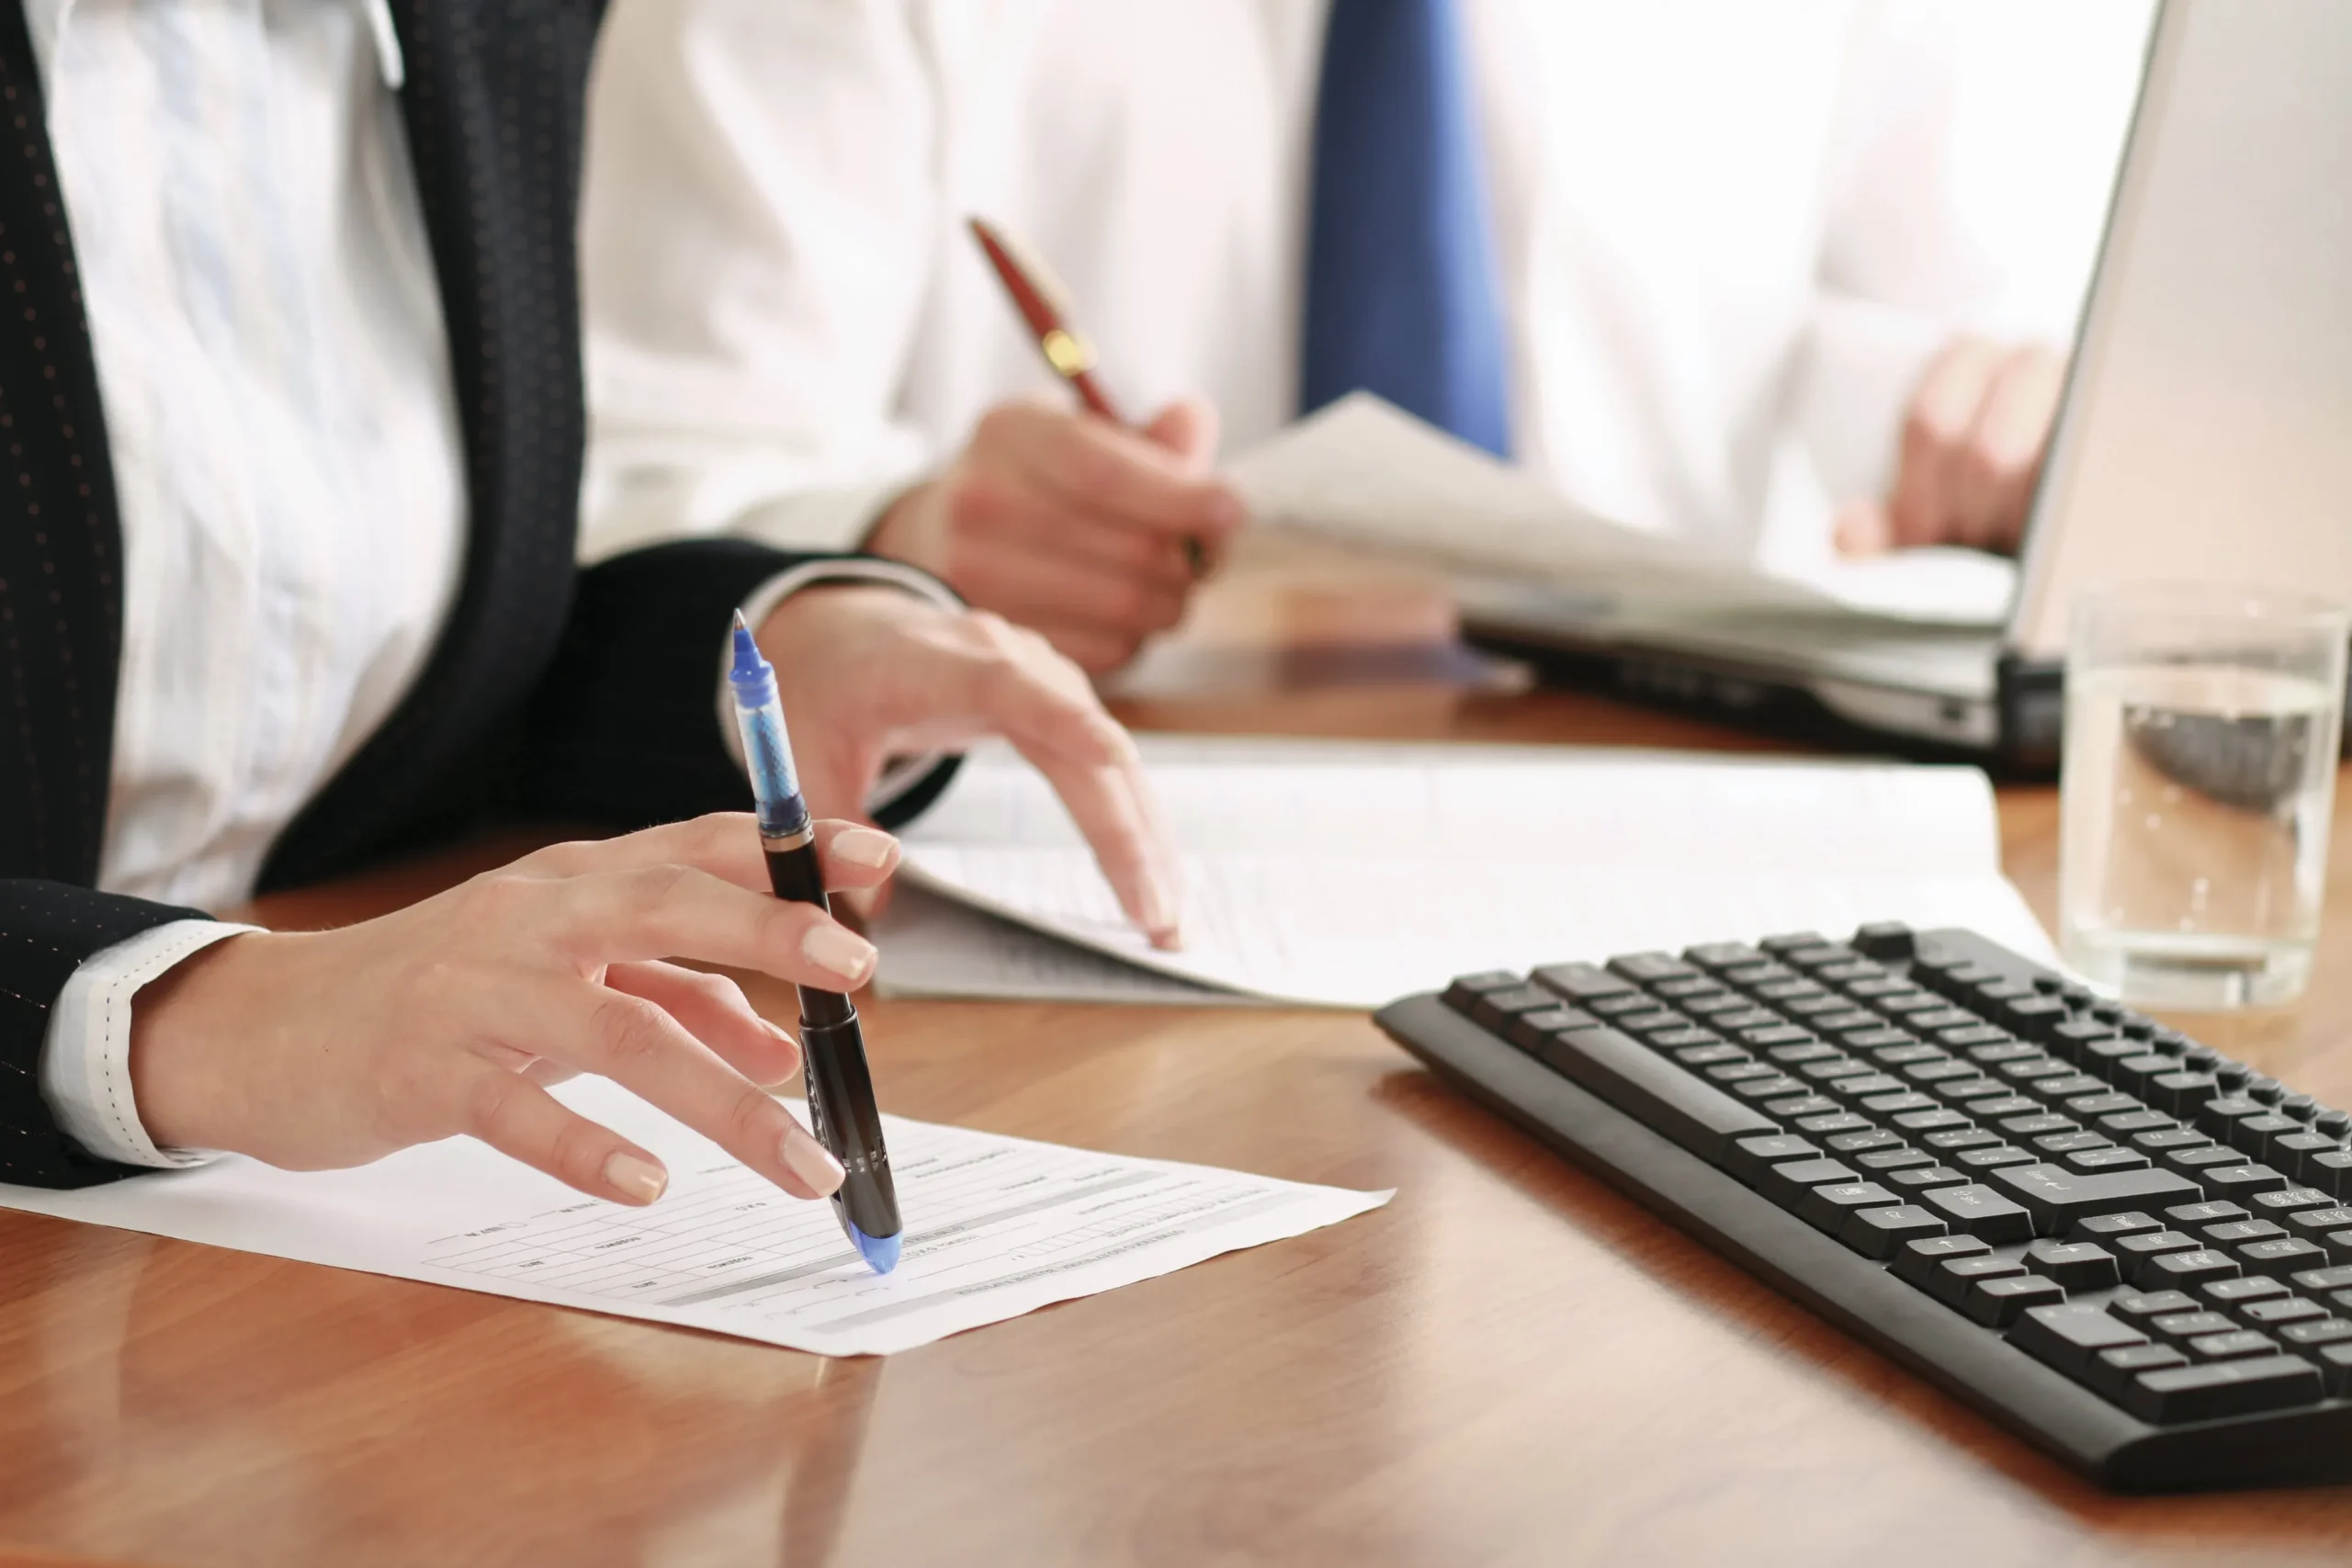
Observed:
{"x":584,"y":696}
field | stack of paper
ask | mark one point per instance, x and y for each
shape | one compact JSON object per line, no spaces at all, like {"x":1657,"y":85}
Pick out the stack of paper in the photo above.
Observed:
{"x":1347,"y":874}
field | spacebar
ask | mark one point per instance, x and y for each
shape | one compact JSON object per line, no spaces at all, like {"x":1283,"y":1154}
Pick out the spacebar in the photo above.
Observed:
{"x":1636,"y":1080}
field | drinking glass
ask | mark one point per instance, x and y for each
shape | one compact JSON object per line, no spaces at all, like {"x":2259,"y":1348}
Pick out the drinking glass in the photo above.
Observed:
{"x":2202,"y":727}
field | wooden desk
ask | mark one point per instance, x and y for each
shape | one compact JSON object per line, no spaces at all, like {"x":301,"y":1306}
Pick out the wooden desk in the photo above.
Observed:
{"x":1510,"y":1364}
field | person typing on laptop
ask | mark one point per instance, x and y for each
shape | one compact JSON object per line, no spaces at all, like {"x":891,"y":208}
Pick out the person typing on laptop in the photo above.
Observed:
{"x":292,"y":397}
{"x":1714,"y":270}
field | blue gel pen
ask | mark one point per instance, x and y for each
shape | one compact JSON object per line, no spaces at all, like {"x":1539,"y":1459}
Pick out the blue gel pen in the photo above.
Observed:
{"x":841,"y":1090}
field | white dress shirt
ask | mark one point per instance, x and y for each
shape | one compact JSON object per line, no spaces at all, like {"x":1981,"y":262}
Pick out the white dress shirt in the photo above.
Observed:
{"x":283,"y":432}
{"x":1729,"y":234}
{"x":283,"y":428}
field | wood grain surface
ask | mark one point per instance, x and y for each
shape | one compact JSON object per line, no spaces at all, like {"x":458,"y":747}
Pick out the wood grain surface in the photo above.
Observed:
{"x":1510,"y":1364}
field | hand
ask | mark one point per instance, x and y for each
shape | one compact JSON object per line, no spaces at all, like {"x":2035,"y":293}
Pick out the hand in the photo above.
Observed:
{"x":318,"y":1050}
{"x":1064,"y":522}
{"x":1972,"y":443}
{"x":866,"y":673}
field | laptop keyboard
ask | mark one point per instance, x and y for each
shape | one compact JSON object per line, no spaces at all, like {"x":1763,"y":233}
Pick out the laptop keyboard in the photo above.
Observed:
{"x":2129,"y":1247}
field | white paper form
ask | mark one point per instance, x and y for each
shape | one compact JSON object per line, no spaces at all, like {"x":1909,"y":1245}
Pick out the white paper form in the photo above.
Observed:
{"x":996,"y":1227}
{"x":1346,"y":875}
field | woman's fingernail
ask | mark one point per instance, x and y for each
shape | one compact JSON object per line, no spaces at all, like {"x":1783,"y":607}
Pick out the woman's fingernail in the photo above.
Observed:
{"x":865,"y":846}
{"x":640,"y":1180}
{"x":808,"y":1159}
{"x":844,"y":953}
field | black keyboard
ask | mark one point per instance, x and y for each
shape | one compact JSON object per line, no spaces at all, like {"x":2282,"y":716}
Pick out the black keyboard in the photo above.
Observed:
{"x":2126,"y":1247}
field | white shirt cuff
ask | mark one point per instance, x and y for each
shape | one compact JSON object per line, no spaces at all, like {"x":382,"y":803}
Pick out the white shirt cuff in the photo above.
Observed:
{"x":901,"y":776}
{"x":85,"y":1059}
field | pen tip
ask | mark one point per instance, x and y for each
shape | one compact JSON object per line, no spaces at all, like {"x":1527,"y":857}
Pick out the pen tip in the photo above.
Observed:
{"x":741,"y":623}
{"x":880,"y":1252}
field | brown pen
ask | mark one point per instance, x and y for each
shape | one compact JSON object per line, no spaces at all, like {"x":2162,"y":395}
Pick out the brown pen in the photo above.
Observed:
{"x":1042,"y":301}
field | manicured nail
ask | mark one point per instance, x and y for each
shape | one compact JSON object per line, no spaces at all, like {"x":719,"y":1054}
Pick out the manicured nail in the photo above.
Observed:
{"x":808,"y":1159}
{"x":865,"y":846}
{"x":844,"y":953}
{"x":640,"y":1181}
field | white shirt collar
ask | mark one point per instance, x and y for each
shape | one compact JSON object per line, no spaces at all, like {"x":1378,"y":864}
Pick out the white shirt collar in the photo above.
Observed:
{"x":46,"y":19}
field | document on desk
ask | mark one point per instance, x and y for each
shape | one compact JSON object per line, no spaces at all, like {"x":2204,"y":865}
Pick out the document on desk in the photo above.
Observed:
{"x":1364,"y":474}
{"x":996,"y":1227}
{"x":1345,"y":875}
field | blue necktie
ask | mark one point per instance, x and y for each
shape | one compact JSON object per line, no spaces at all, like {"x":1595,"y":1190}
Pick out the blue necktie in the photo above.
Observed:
{"x":1400,"y":276}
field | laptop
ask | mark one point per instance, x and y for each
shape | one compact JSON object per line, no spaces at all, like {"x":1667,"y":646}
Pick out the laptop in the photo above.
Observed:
{"x":2205,"y":432}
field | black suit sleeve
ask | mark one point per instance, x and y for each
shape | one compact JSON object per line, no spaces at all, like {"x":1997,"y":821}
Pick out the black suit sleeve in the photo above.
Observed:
{"x":625,"y":728}
{"x":48,"y":929}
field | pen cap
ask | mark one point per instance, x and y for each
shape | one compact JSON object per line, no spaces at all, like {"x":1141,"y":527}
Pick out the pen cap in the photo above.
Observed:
{"x":767,"y":748}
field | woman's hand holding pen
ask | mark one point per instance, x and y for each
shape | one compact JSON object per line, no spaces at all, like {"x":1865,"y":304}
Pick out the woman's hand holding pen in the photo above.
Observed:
{"x":319,"y":1050}
{"x":1060,"y":520}
{"x":867,"y":673}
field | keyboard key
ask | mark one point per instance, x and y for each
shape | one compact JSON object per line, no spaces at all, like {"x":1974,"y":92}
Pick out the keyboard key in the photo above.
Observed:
{"x":2195,"y":1162}
{"x":1925,"y":1178}
{"x":1866,"y":1142}
{"x":1940,"y":1119}
{"x":2077,"y":1266}
{"x":2075,"y":1138}
{"x":1709,"y":1056}
{"x":2230,"y":1294}
{"x":1644,"y":967}
{"x":1748,"y":1158}
{"x":1982,"y":1160}
{"x":2102,"y":1104}
{"x":2067,"y":1337}
{"x":2314,"y":1333}
{"x":2164,"y":1140}
{"x":1825,"y":1208}
{"x":1834,"y":1122}
{"x":1787,"y":1182}
{"x":1916,"y":1262}
{"x":1579,"y":982}
{"x":2330,"y":1171}
{"x":2289,"y":1153}
{"x":2333,"y":1279}
{"x":1958,"y":1138}
{"x":1788,"y":1108}
{"x":2140,"y":1307}
{"x":1722,"y":955}
{"x":2210,"y":1213}
{"x":2219,"y":1115}
{"x":2092,"y":1161}
{"x":1877,"y":1160}
{"x":2253,"y":1133}
{"x":1468,"y":990}
{"x":2109,"y":1371}
{"x":2124,"y":1124}
{"x":1885,"y":939}
{"x":2288,"y":1200}
{"x":2057,"y":1197}
{"x":2282,"y":1313}
{"x":2040,"y":1122}
{"x":1882,"y":1232}
{"x":2006,"y":1105}
{"x":1997,"y":1303}
{"x":2185,"y":1271}
{"x":1678,"y":1041}
{"x":2280,"y":1258}
{"x":2182,"y":1325}
{"x":2135,"y":1249}
{"x":2335,"y":1365}
{"x":2236,"y":1343}
{"x":1690,"y":1111}
{"x":2179,"y":1091}
{"x":1980,"y":1212}
{"x":2233,"y":1233}
{"x":1968,"y":1093}
{"x":1898,"y":1103}
{"x":2101,"y":1228}
{"x":2240,"y":1181}
{"x":1952,"y":1280}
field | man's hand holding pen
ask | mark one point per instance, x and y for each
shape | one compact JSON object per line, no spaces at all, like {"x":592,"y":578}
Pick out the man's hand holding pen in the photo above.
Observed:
{"x":1058,"y":519}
